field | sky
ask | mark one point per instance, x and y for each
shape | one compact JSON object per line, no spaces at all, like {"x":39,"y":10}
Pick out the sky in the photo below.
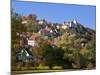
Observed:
{"x":58,"y":13}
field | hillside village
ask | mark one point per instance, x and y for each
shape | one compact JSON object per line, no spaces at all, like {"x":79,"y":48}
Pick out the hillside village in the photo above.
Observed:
{"x":45,"y":30}
{"x":39,"y":42}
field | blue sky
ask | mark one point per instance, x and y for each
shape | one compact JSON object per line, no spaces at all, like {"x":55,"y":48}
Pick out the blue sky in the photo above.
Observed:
{"x":52,"y":12}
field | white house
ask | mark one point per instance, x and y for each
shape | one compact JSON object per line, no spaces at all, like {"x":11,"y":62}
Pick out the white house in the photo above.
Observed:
{"x":58,"y":27}
{"x":24,"y":22}
{"x":41,"y":22}
{"x":69,"y":24}
{"x":64,"y":26}
{"x":32,"y":43}
{"x":51,"y":31}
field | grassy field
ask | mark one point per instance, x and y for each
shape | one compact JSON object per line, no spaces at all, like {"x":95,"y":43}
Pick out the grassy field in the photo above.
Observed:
{"x":41,"y":71}
{"x":35,"y":71}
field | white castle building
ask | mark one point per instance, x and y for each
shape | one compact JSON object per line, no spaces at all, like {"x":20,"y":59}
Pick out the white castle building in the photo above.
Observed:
{"x":69,"y":24}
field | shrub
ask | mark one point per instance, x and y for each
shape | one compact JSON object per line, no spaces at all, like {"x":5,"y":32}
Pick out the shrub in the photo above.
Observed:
{"x":43,"y":67}
{"x":57,"y":67}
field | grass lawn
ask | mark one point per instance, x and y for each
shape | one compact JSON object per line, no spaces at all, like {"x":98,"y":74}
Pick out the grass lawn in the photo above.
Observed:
{"x":26,"y":71}
{"x":35,"y":71}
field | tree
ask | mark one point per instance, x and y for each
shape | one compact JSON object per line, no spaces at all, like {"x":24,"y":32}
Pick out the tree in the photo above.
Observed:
{"x":71,"y":49}
{"x":16,"y":26}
